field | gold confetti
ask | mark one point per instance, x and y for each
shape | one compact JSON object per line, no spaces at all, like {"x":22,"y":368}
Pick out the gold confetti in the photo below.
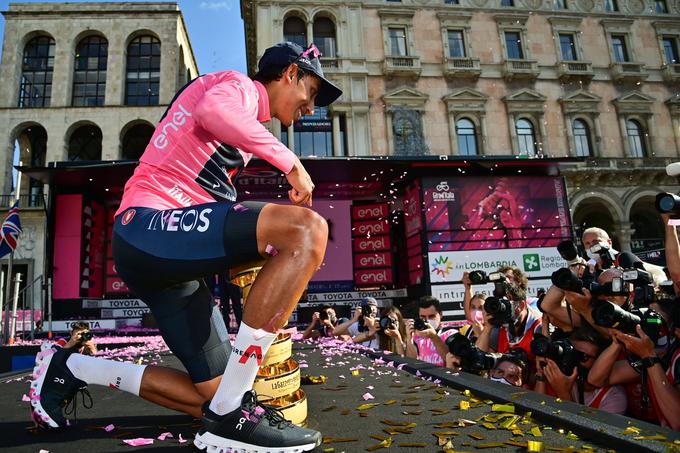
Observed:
{"x":412,"y":444}
{"x":517,"y":432}
{"x":464,"y":405}
{"x":377,"y":437}
{"x":510,"y":422}
{"x":440,"y":411}
{"x":572,"y":436}
{"x":363,"y":414}
{"x":313,"y":380}
{"x":516,"y":443}
{"x":503,"y":408}
{"x":489,"y":445}
{"x":328,"y":450}
{"x":389,"y":402}
{"x":337,"y":440}
{"x":467,"y":392}
{"x":631,"y":430}
{"x":477,"y":436}
{"x":654,"y":437}
{"x":534,"y":445}
{"x":364,"y":407}
{"x":488,"y":425}
{"x":384,"y":444}
{"x":355,"y":372}
{"x":445,"y":433}
{"x":536,"y":432}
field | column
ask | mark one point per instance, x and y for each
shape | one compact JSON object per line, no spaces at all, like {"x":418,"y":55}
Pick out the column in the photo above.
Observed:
{"x":310,"y":32}
{"x":544,"y":136}
{"x":598,"y":151}
{"x":350,"y":133}
{"x":676,"y":132}
{"x":624,"y":232}
{"x":624,"y":136}
{"x":337,"y":144}
{"x":571,"y":145}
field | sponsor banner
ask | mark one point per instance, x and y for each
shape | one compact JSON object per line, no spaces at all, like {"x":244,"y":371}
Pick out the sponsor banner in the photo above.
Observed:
{"x":370,"y":211}
{"x":456,"y":292}
{"x":95,"y":324}
{"x":113,"y":303}
{"x":372,"y":244}
{"x":330,"y":286}
{"x":382,"y":303}
{"x":349,"y":296}
{"x":108,"y":313}
{"x":535,"y":262}
{"x":116,"y":285}
{"x":378,"y":259}
{"x":111,"y":267}
{"x":371,"y":228}
{"x":371,"y":277}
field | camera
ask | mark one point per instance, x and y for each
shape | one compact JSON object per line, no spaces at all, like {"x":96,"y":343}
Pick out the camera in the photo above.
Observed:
{"x":472,"y":359}
{"x":608,"y":314}
{"x":323,"y":315}
{"x":85,"y":336}
{"x":606,"y":255}
{"x":388,"y":323}
{"x":498,"y":279}
{"x":561,"y":351}
{"x":478,"y":277}
{"x":500,"y":308}
{"x":420,"y":324}
{"x":567,"y":280}
{"x":366,"y":310}
{"x":668,"y":203}
{"x":567,"y":250}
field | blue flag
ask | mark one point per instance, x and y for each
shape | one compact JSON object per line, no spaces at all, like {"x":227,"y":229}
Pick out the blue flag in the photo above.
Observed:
{"x":11,"y":228}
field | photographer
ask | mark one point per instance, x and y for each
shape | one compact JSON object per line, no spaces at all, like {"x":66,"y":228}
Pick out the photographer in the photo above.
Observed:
{"x":672,"y":248}
{"x":363,"y":327}
{"x":565,"y":368}
{"x":425,"y":335}
{"x":515,"y":322}
{"x":392,"y":331}
{"x":510,"y":370}
{"x":81,"y":339}
{"x":473,"y":305}
{"x":323,"y":323}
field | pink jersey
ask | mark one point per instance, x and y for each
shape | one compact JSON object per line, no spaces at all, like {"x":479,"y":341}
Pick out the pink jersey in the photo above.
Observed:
{"x":206,"y":136}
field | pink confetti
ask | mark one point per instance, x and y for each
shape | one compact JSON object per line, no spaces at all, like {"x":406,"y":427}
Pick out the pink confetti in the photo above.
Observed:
{"x":25,"y":398}
{"x":367,"y":396}
{"x":401,"y":367}
{"x":44,"y":451}
{"x":109,"y":428}
{"x":165,"y":436}
{"x":181,"y":439}
{"x":138,"y":442}
{"x":370,"y":387}
{"x":418,"y":373}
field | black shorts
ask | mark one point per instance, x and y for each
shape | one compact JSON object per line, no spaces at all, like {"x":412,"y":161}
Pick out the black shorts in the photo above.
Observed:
{"x":164,"y":256}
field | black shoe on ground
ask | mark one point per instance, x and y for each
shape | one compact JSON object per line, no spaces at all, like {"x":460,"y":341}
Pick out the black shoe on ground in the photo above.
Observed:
{"x":253,"y":428}
{"x":53,"y":387}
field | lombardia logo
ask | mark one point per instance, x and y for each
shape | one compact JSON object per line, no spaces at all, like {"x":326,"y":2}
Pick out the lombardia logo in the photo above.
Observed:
{"x":531,"y":262}
{"x":442,"y":266}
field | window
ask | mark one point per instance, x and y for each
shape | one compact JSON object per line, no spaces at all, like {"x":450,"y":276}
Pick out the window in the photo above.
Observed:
{"x":567,"y":47}
{"x":525,"y":137}
{"x":560,"y":4}
{"x":619,"y":48}
{"x":324,"y":36}
{"x":295,"y":30}
{"x":507,"y":3}
{"x":313,"y":134}
{"x":456,"y":43}
{"x":636,"y":140}
{"x":451,"y":2}
{"x":660,"y":6}
{"x":143,"y":71}
{"x":89,"y":77}
{"x":611,"y":6}
{"x":397,"y":41}
{"x":670,"y":50}
{"x":35,"y":89}
{"x":135,"y":140}
{"x":85,"y":143}
{"x":581,"y":133}
{"x":513,"y":45}
{"x":467,"y":138}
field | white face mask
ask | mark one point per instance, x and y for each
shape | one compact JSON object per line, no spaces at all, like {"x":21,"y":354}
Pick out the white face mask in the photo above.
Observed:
{"x":501,"y":380}
{"x":477,"y":315}
{"x":593,"y":255}
{"x":433,"y":323}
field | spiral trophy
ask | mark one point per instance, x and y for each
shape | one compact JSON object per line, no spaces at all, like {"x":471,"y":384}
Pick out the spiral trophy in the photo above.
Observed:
{"x":278,"y":380}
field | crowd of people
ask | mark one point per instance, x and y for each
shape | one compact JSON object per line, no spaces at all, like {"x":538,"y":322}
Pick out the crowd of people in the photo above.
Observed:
{"x":606,"y":334}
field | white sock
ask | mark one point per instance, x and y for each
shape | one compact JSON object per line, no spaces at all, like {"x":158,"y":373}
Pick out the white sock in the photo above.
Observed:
{"x":247,"y":352}
{"x":125,"y":376}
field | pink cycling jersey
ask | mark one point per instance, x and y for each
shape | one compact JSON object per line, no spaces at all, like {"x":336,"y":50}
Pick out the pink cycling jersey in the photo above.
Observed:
{"x":206,"y":136}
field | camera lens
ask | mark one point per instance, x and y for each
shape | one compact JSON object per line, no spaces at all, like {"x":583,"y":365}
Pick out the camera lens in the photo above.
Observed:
{"x":477,"y":277}
{"x":668,"y":203}
{"x":607,"y":314}
{"x":387,"y":323}
{"x":420,"y":324}
{"x":540,"y":346}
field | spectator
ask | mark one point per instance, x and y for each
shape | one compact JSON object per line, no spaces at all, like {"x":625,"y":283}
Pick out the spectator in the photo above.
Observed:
{"x":81,"y":339}
{"x":392,"y":331}
{"x":362,"y":328}
{"x":428,"y":343}
{"x":323,"y":323}
{"x":510,"y":370}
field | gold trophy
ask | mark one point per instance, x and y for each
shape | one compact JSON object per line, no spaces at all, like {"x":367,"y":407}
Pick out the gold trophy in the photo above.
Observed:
{"x":278,"y":381}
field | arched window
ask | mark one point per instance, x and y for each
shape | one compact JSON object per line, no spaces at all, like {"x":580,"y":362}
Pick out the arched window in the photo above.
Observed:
{"x":30,"y":148}
{"x":467,"y":137}
{"x":143,"y":71}
{"x":525,"y":137}
{"x":324,"y":36}
{"x":636,"y":140}
{"x":35,"y":89}
{"x":295,"y":30}
{"x":581,"y":133}
{"x":135,"y":140}
{"x":85,"y":143}
{"x":89,"y":75}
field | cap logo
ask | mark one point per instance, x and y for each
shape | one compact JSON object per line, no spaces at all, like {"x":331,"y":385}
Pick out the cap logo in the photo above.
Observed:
{"x":316,"y":53}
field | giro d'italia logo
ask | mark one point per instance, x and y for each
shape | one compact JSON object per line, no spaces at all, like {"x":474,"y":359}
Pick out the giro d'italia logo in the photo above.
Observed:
{"x":531,"y":262}
{"x":127,"y":217}
{"x":442,"y":266}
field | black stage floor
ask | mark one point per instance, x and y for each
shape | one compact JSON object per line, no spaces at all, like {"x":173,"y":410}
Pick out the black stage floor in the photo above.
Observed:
{"x":409,"y":414}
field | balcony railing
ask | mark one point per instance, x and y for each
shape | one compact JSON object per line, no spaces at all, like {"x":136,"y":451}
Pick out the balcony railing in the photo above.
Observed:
{"x":628,"y":71}
{"x":462,"y":67}
{"x":25,"y":201}
{"x":402,"y":66}
{"x":329,"y":64}
{"x":671,"y":73}
{"x":520,"y":69}
{"x":575,"y":70}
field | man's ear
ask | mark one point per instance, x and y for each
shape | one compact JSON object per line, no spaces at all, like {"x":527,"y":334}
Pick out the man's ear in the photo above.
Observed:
{"x":291,"y":72}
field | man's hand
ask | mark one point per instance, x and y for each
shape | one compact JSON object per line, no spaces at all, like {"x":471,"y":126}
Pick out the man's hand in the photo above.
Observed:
{"x":315,"y":317}
{"x":561,"y":383}
{"x":301,"y":193}
{"x":357,"y":314}
{"x":427,"y":333}
{"x":477,"y":328}
{"x":409,"y":331}
{"x":394,"y":333}
{"x":452,"y":361}
{"x":579,"y":302}
{"x":642,"y":346}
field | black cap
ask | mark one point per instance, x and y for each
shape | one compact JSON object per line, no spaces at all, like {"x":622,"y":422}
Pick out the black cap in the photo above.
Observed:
{"x":285,"y":53}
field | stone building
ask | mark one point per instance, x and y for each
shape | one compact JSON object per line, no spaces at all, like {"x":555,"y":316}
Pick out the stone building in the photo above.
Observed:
{"x":595,"y":79}
{"x":82,"y":82}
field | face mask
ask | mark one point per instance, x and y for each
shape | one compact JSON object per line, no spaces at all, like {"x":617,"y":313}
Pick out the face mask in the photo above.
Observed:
{"x":477,"y":315}
{"x":501,"y":380}
{"x":593,"y":255}
{"x":433,"y":323}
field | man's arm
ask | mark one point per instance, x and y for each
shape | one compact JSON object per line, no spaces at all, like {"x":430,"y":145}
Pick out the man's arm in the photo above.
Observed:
{"x":554,"y":304}
{"x":484,"y":340}
{"x":342,"y":329}
{"x":411,"y":349}
{"x":607,"y":370}
{"x":310,"y":331}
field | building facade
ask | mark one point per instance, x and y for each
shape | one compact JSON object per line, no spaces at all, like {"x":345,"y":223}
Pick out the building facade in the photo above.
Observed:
{"x":596,"y":79}
{"x":81,"y":82}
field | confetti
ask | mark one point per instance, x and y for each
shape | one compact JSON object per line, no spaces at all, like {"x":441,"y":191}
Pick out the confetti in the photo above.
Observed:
{"x":164,"y":436}
{"x":181,"y":440}
{"x":138,"y":442}
{"x":384,"y":444}
{"x":464,"y":405}
{"x":364,"y":407}
{"x":338,"y":440}
{"x":503,"y":408}
{"x":25,"y":398}
{"x":109,"y":428}
{"x":367,"y":396}
{"x":536,"y":432}
{"x":412,"y":444}
{"x":534,"y":445}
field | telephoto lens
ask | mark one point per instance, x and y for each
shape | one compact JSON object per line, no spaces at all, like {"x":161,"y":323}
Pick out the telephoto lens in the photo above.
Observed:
{"x":540,"y":345}
{"x":366,"y":310}
{"x":387,"y":323}
{"x":566,"y":280}
{"x":478,"y":277}
{"x":668,"y":203}
{"x":608,"y":314}
{"x":561,"y":351}
{"x":500,"y":308}
{"x":567,"y":250}
{"x":472,"y":359}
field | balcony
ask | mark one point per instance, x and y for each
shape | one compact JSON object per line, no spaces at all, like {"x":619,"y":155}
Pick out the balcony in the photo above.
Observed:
{"x":403,"y":66}
{"x":329,"y":64}
{"x":461,"y":67}
{"x":671,"y":73}
{"x":627,"y":71}
{"x":575,"y":70}
{"x":520,"y":69}
{"x":34,"y":201}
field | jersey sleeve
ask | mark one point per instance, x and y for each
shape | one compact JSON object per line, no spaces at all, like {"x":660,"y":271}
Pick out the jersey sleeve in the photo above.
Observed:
{"x":229,"y":112}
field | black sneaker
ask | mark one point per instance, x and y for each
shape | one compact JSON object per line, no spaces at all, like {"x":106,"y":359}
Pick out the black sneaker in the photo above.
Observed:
{"x":53,"y":387}
{"x":253,"y":428}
